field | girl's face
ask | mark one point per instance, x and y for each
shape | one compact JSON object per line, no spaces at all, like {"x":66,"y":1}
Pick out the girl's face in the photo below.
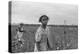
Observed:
{"x":44,"y":20}
{"x":21,"y":26}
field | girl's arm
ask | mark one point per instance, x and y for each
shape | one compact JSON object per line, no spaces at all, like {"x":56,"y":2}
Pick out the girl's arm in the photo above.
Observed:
{"x":48,"y":30}
{"x":37,"y":36}
{"x":37,"y":40}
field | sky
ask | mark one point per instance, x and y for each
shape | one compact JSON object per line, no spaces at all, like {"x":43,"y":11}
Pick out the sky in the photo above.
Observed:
{"x":30,"y":12}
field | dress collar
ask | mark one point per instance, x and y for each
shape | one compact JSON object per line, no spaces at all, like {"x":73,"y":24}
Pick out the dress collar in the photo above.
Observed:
{"x":43,"y":28}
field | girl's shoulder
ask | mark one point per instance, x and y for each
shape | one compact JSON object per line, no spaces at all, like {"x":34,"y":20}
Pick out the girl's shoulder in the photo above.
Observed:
{"x":39,"y":29}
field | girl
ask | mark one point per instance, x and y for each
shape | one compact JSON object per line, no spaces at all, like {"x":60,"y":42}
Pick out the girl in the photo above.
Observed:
{"x":42,"y":34}
{"x":19,"y":40}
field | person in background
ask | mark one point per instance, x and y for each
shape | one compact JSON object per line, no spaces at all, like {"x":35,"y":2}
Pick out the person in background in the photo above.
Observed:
{"x":41,"y":36}
{"x":19,"y":35}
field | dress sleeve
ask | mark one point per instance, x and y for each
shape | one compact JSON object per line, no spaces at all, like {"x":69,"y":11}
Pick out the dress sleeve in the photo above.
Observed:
{"x":38,"y":35}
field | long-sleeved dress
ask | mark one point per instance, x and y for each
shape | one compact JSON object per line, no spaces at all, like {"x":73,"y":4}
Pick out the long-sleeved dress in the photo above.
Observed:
{"x":41,"y":36}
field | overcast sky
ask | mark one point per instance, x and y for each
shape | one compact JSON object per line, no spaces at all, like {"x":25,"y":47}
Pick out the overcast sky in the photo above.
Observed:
{"x":30,"y":12}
